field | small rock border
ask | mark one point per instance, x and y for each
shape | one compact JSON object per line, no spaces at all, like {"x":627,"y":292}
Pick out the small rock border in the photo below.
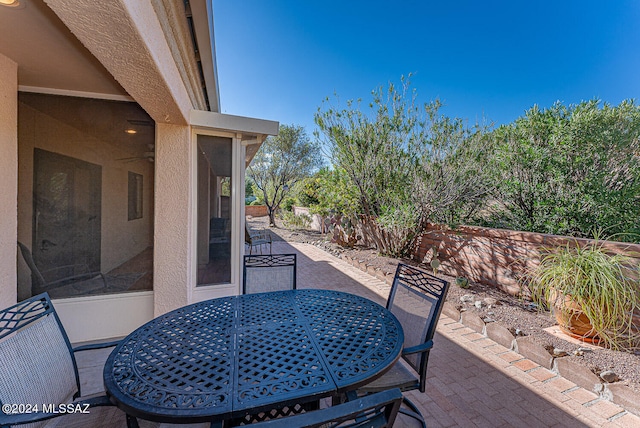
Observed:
{"x":554,"y":359}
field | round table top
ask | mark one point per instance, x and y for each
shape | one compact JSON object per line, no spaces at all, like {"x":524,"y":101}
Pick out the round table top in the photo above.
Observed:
{"x":226,"y":357}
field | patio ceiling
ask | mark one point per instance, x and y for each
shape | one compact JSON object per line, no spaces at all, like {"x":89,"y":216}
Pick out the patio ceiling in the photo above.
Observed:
{"x":48,"y":55}
{"x":51,"y":59}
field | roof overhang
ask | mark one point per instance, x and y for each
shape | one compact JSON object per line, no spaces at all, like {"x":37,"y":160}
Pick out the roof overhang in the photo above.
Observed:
{"x":121,"y":49}
{"x":202,"y":15}
{"x":252,"y":131}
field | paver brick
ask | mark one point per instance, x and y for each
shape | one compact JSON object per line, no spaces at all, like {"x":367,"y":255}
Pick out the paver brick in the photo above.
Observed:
{"x":542,"y":374}
{"x":510,"y":356}
{"x":525,"y":365}
{"x":581,"y":395}
{"x":560,"y":384}
{"x":627,"y":420}
{"x":605,"y":408}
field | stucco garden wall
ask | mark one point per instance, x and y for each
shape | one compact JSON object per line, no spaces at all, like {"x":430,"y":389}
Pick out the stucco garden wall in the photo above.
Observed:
{"x":496,"y":257}
{"x":317,"y":222}
{"x":255,"y":210}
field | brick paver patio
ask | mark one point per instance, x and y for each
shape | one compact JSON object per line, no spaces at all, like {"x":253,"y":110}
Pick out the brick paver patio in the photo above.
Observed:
{"x":472,"y":381}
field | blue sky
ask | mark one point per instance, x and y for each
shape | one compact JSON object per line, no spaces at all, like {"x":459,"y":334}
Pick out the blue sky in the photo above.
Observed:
{"x":279,"y":59}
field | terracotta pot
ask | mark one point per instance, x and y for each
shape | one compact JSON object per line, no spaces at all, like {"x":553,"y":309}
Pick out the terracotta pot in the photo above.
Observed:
{"x":572,"y":320}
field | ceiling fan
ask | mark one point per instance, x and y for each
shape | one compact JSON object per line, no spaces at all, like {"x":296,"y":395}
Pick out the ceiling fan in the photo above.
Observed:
{"x":148,"y":155}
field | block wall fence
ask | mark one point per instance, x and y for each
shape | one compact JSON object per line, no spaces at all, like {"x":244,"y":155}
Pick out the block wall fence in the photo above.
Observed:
{"x":497,"y":257}
{"x":255,"y":210}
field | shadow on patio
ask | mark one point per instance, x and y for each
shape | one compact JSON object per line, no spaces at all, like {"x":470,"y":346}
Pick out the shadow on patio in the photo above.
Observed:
{"x":472,"y":381}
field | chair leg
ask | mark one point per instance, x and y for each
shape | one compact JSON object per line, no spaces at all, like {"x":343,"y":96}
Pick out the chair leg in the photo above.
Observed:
{"x":413,"y":412}
{"x":132,"y":422}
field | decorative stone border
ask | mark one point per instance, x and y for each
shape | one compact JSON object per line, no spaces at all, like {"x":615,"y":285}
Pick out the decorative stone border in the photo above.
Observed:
{"x":617,"y":393}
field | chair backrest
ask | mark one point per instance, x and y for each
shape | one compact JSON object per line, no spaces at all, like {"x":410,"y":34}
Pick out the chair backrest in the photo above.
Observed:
{"x":247,"y":234}
{"x":38,"y":365}
{"x":375,"y":410}
{"x":37,"y":280}
{"x":416,"y":299}
{"x":269,"y":272}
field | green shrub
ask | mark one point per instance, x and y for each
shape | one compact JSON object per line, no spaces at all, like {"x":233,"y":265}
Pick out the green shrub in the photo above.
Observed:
{"x":288,"y":204}
{"x":292,"y":221}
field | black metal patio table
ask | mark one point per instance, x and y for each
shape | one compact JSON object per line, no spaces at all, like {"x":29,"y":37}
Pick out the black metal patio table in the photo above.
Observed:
{"x":225,"y":358}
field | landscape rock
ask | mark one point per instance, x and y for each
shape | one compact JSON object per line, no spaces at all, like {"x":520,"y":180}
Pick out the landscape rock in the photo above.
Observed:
{"x":532,"y":350}
{"x":473,"y":321}
{"x":578,"y":374}
{"x":490,"y":301}
{"x":609,"y":376}
{"x":624,"y":396}
{"x":500,"y":334}
{"x":557,"y":352}
{"x":451,"y":310}
{"x":467,"y":298}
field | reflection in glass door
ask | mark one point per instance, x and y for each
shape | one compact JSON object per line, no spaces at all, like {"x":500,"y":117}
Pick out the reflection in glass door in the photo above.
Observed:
{"x":214,"y":210}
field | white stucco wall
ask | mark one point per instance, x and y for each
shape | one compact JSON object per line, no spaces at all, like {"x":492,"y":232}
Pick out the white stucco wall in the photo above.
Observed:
{"x":172,"y":273}
{"x":8,"y":179}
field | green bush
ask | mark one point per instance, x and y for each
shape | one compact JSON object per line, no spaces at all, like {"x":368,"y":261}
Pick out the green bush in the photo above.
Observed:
{"x":563,"y":170}
{"x":288,"y":204}
{"x":293,"y":221}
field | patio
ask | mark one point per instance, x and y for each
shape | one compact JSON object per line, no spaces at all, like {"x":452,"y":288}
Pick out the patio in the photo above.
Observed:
{"x":472,"y":381}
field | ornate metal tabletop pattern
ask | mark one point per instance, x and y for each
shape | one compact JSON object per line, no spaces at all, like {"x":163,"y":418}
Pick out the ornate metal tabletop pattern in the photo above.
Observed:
{"x":225,"y":357}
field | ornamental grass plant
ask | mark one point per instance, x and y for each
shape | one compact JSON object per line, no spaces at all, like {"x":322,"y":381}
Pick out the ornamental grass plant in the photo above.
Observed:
{"x":604,"y":286}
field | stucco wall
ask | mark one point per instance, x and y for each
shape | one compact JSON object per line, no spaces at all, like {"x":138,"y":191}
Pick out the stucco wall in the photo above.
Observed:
{"x":173,"y":279}
{"x":496,"y":257}
{"x":121,"y":239}
{"x":317,"y":222}
{"x":8,"y":179}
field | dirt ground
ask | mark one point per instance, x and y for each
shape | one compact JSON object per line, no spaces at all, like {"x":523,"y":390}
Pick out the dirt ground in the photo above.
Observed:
{"x":521,"y":317}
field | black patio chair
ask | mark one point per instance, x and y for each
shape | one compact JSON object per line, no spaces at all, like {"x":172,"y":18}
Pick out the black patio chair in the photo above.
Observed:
{"x":38,"y":363}
{"x":52,"y":279}
{"x":269,"y":272}
{"x":416,"y":299}
{"x":375,"y":410}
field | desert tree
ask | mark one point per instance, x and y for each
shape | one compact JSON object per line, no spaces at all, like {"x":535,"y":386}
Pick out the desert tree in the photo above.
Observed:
{"x":407,"y":163}
{"x":281,"y":162}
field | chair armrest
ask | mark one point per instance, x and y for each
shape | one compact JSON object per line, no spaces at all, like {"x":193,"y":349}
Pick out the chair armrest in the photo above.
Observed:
{"x":73,"y":278}
{"x":92,"y":346}
{"x":256,"y":237}
{"x":417,"y":349}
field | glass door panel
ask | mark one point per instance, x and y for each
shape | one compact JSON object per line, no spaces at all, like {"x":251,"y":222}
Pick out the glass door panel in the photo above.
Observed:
{"x":214,"y":210}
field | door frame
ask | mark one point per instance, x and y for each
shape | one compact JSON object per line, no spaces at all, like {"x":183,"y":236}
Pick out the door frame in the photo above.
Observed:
{"x":236,"y":213}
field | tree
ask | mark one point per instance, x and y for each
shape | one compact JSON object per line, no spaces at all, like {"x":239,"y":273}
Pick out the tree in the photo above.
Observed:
{"x":569,"y":170}
{"x":281,"y":162}
{"x":406,"y":163}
